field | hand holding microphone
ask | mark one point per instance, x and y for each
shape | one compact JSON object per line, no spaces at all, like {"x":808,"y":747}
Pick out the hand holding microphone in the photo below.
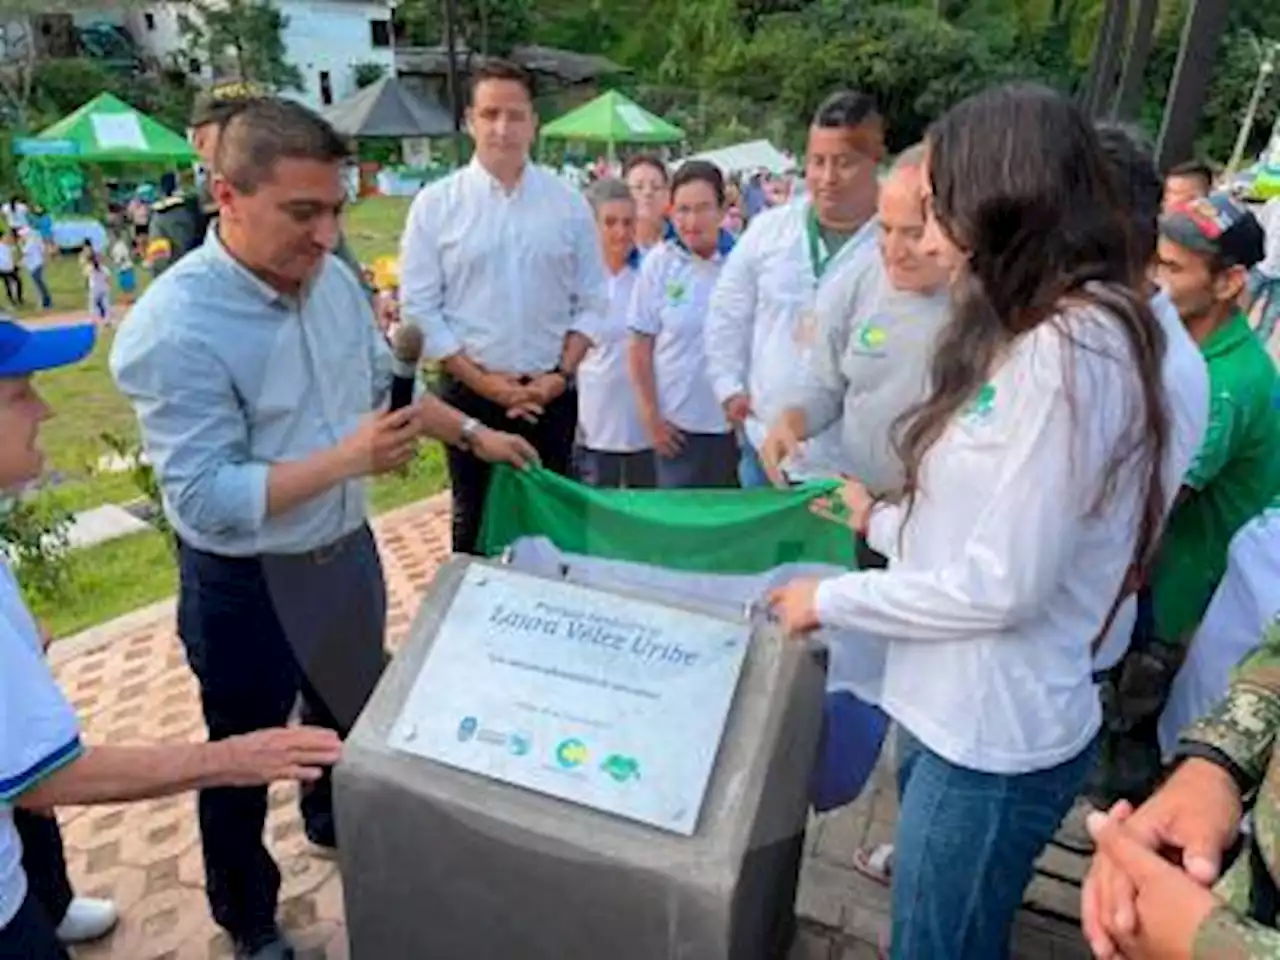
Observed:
{"x":406,"y":346}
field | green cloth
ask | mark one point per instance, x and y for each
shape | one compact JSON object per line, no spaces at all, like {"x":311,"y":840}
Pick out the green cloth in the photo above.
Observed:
{"x":1233,"y":479}
{"x":612,"y":118}
{"x":710,"y":531}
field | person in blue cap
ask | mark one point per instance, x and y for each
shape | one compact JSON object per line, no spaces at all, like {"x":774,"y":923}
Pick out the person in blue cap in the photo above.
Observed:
{"x":43,"y":762}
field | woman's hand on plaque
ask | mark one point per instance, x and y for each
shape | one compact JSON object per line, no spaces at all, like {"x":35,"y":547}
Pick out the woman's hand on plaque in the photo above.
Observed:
{"x":795,"y":605}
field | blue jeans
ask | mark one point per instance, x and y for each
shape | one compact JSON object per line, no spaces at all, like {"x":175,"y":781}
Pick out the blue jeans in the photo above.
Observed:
{"x":37,"y":277}
{"x":966,"y":848}
{"x":750,"y":469}
{"x":30,"y":935}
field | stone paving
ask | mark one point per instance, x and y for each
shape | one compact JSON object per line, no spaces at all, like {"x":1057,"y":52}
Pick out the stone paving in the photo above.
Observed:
{"x":130,"y":684}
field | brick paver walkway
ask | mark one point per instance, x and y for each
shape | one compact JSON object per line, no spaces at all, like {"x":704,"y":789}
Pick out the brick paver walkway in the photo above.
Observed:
{"x":130,"y":683}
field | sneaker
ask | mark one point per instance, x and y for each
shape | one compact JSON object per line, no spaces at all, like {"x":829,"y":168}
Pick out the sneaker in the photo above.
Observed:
{"x":277,"y":947}
{"x":86,"y":920}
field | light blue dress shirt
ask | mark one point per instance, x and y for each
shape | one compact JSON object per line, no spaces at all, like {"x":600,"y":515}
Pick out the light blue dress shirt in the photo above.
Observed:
{"x":228,"y":376}
{"x":502,"y":277}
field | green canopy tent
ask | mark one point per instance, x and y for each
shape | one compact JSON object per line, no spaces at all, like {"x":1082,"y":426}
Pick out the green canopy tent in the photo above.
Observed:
{"x":105,"y":131}
{"x":611,"y":119}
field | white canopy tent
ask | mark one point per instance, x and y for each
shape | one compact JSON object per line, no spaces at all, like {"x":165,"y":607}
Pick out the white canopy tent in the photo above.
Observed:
{"x":748,"y":157}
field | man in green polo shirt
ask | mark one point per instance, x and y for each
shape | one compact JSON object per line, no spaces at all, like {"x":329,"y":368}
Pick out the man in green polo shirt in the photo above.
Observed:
{"x":1206,"y":248}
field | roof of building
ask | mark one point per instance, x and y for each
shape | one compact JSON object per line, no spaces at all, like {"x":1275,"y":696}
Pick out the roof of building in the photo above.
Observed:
{"x":564,"y":64}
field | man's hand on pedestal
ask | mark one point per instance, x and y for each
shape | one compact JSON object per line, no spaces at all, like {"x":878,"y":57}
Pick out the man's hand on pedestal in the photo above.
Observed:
{"x":285,"y":753}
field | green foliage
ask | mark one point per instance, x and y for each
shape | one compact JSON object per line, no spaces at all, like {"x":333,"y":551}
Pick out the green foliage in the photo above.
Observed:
{"x":483,"y":26}
{"x":240,"y":38}
{"x":143,"y":475}
{"x":367,"y":74}
{"x":34,"y":535}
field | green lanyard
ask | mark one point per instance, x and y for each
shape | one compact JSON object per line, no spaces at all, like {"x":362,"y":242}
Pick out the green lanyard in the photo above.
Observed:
{"x":819,"y":253}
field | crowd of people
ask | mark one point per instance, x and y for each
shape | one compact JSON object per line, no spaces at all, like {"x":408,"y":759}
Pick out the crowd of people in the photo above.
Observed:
{"x":1026,"y":355}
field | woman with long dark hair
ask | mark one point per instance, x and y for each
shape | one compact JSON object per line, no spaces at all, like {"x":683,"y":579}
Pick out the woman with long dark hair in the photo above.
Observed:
{"x":1033,"y":492}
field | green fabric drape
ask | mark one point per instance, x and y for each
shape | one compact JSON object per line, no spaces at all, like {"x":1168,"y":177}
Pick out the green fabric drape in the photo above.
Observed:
{"x":711,"y":531}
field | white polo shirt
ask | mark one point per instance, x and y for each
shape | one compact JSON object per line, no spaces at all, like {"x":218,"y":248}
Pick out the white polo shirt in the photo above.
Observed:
{"x":1006,"y":571}
{"x":669,"y":304}
{"x":608,"y":419}
{"x":38,"y":731}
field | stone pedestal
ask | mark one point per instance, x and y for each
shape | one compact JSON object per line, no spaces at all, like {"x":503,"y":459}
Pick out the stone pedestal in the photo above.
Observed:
{"x":441,"y":864}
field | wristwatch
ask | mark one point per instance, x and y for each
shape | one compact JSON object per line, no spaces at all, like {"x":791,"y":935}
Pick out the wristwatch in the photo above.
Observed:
{"x":467,"y":434}
{"x":570,"y":379}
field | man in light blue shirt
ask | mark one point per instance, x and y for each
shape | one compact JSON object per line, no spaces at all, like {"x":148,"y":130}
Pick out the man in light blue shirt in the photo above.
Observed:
{"x":254,"y":364}
{"x":43,"y":762}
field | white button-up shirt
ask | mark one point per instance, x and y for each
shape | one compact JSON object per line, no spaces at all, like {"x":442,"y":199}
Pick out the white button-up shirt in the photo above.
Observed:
{"x":499,"y":276}
{"x":1006,"y":571}
{"x":608,"y":416}
{"x":670,"y":304}
{"x":763,"y":321}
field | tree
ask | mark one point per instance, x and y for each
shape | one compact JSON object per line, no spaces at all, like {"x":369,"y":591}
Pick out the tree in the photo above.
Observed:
{"x":490,"y":27}
{"x":244,"y":38}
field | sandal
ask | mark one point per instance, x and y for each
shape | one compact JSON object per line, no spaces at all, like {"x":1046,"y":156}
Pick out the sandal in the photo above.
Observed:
{"x":875,"y":863}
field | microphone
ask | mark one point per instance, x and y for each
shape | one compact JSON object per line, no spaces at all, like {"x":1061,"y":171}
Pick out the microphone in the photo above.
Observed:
{"x":406,"y":346}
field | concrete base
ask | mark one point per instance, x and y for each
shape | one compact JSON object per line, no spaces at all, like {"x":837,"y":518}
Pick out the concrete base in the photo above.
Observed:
{"x":444,"y":864}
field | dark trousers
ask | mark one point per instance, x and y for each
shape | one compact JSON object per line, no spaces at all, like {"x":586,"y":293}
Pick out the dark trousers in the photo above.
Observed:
{"x":706,"y":461}
{"x":30,"y":935}
{"x":44,"y":862}
{"x":616,"y":471}
{"x":12,"y":286}
{"x":552,"y":436}
{"x":260,"y":632}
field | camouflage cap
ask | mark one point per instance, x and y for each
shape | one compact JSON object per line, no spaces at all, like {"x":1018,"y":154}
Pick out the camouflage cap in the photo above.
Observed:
{"x":219,"y":102}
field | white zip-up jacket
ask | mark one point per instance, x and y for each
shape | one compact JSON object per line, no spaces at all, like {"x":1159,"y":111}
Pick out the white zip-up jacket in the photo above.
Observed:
{"x":762,"y":322}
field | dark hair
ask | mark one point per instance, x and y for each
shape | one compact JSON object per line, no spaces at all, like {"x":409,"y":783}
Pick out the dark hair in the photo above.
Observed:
{"x":1138,"y":188}
{"x":699,"y":171}
{"x":501,"y":70}
{"x":264,"y":132}
{"x":845,"y":109}
{"x":646,"y":160}
{"x":1193,"y":168}
{"x":1019,"y":182}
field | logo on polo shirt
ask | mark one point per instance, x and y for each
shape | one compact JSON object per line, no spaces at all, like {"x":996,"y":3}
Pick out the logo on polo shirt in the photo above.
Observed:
{"x":982,"y":406}
{"x":870,"y":338}
{"x":677,"y":293}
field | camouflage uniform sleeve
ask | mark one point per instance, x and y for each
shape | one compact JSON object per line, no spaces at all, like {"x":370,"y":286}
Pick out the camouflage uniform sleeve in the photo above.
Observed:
{"x":1243,"y":726}
{"x":1225,"y":935}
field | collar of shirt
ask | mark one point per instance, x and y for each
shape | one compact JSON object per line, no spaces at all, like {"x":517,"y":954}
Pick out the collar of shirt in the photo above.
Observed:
{"x":249,"y":280}
{"x":1227,"y":337}
{"x":480,"y":175}
{"x":675,"y":243}
{"x":724,"y":240}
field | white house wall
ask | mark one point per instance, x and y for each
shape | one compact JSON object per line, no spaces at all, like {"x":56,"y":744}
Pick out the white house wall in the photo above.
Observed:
{"x":322,"y":36}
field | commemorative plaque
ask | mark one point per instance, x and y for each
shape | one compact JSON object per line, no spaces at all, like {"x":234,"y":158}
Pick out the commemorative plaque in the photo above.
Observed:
{"x":552,"y":770}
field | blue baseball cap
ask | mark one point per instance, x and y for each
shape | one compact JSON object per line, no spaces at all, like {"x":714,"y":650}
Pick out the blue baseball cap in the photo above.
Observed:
{"x":25,"y":350}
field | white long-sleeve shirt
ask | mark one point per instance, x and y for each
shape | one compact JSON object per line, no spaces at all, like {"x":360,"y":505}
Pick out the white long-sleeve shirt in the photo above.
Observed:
{"x":1006,"y":572}
{"x":762,"y":320}
{"x":501,"y":277}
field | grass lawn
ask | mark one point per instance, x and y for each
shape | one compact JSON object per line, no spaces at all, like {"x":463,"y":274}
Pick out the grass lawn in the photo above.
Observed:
{"x":116,"y":577}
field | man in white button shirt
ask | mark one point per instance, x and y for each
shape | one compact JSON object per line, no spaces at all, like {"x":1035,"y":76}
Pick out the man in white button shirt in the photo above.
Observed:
{"x":762,"y":322}
{"x":501,"y":268}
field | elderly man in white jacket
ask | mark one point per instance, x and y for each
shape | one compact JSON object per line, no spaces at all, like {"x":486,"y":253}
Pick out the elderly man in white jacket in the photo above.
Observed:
{"x":761,"y":324}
